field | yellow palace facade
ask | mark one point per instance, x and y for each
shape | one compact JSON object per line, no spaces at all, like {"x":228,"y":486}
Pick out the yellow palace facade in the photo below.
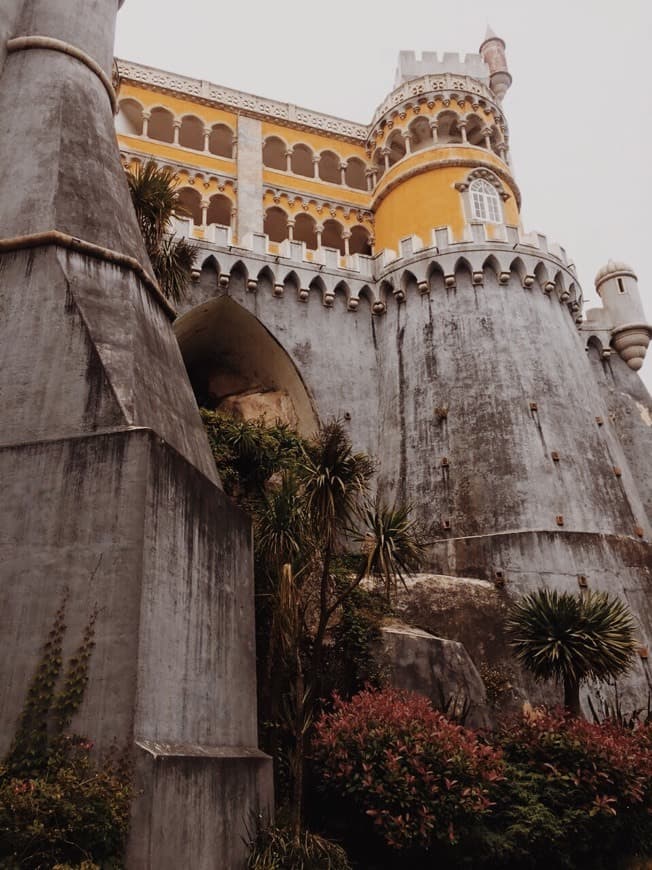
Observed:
{"x":436,"y":154}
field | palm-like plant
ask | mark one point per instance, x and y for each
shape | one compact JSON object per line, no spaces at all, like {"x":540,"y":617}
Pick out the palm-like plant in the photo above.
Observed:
{"x":393,"y":543}
{"x":572,"y":638}
{"x":334,"y":481}
{"x":156,"y":201}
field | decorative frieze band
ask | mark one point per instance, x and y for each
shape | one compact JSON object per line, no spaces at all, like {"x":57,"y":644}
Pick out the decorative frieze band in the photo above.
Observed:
{"x":239,"y":100}
{"x":429,"y":84}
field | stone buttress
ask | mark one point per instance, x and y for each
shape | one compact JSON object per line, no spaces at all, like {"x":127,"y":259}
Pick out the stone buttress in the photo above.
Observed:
{"x":109,"y":489}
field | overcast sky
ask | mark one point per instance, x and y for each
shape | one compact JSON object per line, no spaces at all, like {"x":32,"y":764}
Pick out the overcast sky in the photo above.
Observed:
{"x":579,"y":110}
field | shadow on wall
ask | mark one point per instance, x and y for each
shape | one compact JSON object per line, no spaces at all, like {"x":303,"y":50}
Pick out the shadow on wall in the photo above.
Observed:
{"x":235,"y":365}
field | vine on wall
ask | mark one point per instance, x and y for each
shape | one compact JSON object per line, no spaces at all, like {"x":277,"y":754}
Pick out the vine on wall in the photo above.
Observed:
{"x":58,"y":806}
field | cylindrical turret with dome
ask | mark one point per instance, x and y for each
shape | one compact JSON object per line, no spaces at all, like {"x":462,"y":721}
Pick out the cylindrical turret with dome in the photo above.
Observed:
{"x":622,"y":313}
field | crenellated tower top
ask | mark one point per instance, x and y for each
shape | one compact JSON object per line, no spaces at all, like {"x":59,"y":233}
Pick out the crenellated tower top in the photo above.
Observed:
{"x":429,"y":63}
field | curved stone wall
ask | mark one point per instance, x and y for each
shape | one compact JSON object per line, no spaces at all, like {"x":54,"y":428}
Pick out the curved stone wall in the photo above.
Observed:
{"x":491,"y":421}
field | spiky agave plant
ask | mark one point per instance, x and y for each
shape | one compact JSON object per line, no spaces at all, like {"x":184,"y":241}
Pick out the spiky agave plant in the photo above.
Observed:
{"x":156,"y":201}
{"x":393,"y":543}
{"x":572,"y":638}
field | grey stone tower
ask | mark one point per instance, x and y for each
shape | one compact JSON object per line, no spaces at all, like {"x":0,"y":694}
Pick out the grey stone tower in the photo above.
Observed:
{"x":108,"y":485}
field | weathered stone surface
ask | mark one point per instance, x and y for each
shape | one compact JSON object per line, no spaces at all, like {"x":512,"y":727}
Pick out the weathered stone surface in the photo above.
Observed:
{"x":439,"y":668}
{"x":228,"y":793}
{"x":108,"y":485}
{"x":169,"y":566}
{"x":85,"y":347}
{"x":9,"y":12}
{"x":630,"y":413}
{"x":511,"y":369}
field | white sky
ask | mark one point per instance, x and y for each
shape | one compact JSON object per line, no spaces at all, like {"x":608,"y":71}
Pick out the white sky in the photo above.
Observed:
{"x":579,"y":109}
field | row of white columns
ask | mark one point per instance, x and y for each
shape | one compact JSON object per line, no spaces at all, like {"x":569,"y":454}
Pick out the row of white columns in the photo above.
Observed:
{"x":176,"y":128}
{"x":319,"y":229}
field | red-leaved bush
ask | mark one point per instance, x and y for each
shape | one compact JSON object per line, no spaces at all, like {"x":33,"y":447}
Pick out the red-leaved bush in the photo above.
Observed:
{"x":596,"y":778}
{"x":421,"y":778}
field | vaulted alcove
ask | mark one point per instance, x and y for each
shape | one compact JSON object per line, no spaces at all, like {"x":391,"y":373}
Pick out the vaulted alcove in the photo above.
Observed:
{"x":235,"y":365}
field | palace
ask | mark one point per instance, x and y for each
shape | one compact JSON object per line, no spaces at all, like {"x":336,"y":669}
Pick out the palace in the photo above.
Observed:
{"x":376,"y":273}
{"x":379,"y":273}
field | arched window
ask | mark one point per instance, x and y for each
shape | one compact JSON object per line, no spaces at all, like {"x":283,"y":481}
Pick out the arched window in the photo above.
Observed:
{"x":329,"y":167}
{"x":220,"y":141}
{"x":359,"y":242}
{"x":305,"y":230}
{"x":485,"y":202}
{"x":475,"y":131}
{"x":274,"y":153}
{"x":396,"y":146}
{"x":191,"y":134}
{"x":355,"y":173}
{"x":190,"y":205}
{"x":302,"y":162}
{"x":420,"y":134}
{"x":130,"y":118}
{"x":219,"y":210}
{"x":332,"y":235}
{"x":276,"y":224}
{"x":161,"y":125}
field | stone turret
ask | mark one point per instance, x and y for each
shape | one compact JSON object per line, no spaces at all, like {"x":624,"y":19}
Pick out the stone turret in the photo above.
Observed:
{"x":617,"y":286}
{"x":492,"y":52}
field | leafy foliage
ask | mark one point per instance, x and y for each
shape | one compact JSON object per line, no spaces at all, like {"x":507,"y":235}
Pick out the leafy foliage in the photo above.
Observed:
{"x":56,"y":805}
{"x":546,"y":790}
{"x":73,"y":811}
{"x":335,"y":478}
{"x":275,"y":848}
{"x":351,"y":664}
{"x":393,"y":542}
{"x":572,"y":638}
{"x":574,"y":791}
{"x":156,"y":201}
{"x":422,"y":779}
{"x":248,"y":453}
{"x":304,"y":496}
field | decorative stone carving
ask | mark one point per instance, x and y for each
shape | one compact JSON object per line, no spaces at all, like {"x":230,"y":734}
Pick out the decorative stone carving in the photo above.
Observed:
{"x":238,"y":100}
{"x":485,"y":175}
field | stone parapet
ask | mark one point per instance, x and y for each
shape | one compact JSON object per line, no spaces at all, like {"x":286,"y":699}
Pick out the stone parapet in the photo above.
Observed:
{"x":418,"y":264}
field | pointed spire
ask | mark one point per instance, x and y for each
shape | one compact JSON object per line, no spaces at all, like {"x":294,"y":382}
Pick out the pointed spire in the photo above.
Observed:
{"x":490,"y":34}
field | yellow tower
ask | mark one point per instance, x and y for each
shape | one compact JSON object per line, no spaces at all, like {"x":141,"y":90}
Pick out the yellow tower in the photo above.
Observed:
{"x":440,"y":148}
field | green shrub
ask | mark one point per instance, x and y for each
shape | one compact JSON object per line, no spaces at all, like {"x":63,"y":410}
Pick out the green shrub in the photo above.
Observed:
{"x":279,"y":849}
{"x":573,"y":791}
{"x":72,"y":811}
{"x":57,"y":807}
{"x":248,"y":453}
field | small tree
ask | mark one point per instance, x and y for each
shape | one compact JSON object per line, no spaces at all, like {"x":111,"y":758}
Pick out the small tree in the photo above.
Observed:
{"x":393,"y":543}
{"x":572,"y":638}
{"x":305,"y":495}
{"x":156,"y":201}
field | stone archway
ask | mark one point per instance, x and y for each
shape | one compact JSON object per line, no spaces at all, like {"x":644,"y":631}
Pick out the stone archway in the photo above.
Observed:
{"x":236,"y":365}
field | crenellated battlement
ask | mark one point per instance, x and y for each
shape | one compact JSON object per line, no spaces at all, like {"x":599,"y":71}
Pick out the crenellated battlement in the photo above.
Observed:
{"x":412,"y":66}
{"x":290,"y":270}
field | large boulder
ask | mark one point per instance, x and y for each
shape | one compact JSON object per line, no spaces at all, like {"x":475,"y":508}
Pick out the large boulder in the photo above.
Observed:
{"x":439,"y":668}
